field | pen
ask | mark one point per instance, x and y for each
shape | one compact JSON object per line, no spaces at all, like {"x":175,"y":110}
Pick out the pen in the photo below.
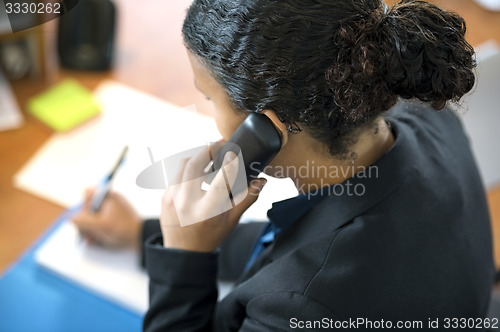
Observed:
{"x":103,"y":189}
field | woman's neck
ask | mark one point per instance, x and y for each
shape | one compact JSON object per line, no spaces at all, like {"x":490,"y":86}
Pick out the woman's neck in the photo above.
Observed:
{"x":315,"y":169}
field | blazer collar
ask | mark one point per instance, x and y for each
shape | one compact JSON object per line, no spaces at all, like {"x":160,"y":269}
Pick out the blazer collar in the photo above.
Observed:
{"x":368,"y":190}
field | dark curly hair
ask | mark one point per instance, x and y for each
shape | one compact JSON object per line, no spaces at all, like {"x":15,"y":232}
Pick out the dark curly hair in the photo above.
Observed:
{"x":331,"y":66}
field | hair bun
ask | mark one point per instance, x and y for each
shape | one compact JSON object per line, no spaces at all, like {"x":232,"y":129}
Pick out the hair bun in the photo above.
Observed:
{"x":413,"y":50}
{"x":428,"y":55}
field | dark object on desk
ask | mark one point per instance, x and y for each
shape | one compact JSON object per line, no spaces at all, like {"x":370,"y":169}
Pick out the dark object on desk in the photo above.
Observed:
{"x":16,"y":58}
{"x":86,"y":35}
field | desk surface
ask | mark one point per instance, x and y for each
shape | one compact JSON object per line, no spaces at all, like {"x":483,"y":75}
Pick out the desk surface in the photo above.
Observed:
{"x":149,"y":56}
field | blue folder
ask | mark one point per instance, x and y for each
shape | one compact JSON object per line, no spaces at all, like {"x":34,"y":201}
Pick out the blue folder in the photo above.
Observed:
{"x":32,"y":299}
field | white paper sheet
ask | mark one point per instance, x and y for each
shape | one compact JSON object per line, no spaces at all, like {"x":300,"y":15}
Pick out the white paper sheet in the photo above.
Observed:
{"x":10,"y":114}
{"x":112,"y":274}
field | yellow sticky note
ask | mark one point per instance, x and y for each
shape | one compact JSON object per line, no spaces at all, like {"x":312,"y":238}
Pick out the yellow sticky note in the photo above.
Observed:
{"x":64,"y":106}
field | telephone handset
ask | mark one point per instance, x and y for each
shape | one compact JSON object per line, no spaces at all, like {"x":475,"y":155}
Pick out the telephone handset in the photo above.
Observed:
{"x":259,"y":141}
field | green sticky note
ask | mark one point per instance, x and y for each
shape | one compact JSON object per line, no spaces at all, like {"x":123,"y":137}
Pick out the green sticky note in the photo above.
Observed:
{"x":64,"y":106}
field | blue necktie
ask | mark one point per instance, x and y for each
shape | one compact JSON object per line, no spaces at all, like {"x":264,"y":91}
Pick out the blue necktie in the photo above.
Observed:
{"x":266,"y":237}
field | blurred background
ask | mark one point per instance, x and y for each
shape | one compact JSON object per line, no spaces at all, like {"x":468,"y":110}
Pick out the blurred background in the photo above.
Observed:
{"x":148,"y":55}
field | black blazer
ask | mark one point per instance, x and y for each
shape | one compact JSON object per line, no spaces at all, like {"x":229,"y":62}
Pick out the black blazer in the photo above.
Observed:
{"x":416,"y":246}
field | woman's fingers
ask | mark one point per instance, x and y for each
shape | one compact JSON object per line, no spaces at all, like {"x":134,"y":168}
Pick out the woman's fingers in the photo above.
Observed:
{"x":87,"y":197}
{"x":84,"y":218}
{"x":201,"y":223}
{"x":194,"y":173}
{"x":180,"y":173}
{"x":170,"y":216}
{"x":193,"y":205}
{"x":88,"y":226}
{"x":221,"y":184}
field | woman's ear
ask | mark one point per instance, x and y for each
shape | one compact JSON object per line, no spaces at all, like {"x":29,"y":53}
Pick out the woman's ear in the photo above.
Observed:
{"x":279,"y":125}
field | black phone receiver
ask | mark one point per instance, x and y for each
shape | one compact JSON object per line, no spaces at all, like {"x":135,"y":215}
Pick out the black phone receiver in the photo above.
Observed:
{"x":258,"y":140}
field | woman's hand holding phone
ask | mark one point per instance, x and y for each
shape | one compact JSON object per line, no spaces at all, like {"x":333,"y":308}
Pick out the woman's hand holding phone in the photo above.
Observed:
{"x":197,"y":219}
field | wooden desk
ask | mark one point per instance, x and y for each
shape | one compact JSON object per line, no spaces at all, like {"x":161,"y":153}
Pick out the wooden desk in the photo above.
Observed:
{"x":150,"y":56}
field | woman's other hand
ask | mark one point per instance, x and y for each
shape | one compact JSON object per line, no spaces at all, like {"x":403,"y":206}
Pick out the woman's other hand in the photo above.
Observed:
{"x":116,"y":224}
